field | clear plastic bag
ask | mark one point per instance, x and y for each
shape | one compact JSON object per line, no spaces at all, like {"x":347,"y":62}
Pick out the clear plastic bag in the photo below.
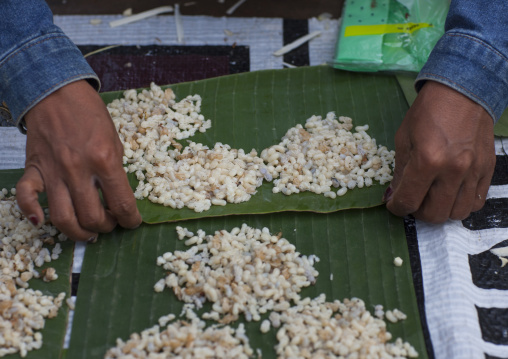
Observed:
{"x":389,"y":35}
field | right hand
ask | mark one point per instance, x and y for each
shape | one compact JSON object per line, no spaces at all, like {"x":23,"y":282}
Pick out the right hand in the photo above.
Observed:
{"x":445,"y":157}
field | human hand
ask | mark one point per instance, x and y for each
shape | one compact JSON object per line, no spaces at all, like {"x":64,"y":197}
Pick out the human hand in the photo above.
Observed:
{"x":444,"y":157}
{"x":72,"y":151}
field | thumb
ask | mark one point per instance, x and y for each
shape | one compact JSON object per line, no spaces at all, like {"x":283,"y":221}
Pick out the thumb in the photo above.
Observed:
{"x":397,"y":176}
{"x":402,"y":154}
{"x":27,"y":190}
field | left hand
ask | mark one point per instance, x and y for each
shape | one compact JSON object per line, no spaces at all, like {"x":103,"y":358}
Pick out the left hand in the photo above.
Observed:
{"x":72,"y":151}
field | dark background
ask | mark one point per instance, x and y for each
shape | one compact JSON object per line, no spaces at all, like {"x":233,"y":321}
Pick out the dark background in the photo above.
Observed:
{"x":287,"y":9}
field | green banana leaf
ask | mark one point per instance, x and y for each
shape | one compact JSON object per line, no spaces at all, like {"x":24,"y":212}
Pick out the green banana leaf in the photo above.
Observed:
{"x":501,"y":126}
{"x":255,"y":109}
{"x":116,"y":296}
{"x":54,"y":330}
{"x":406,"y":83}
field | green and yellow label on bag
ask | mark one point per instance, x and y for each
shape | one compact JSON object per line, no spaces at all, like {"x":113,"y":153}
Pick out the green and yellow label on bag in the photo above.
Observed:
{"x":364,"y":30}
{"x":388,"y":35}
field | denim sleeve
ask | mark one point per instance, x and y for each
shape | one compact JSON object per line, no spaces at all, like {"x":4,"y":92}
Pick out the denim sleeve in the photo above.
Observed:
{"x":472,"y":55}
{"x":36,"y":57}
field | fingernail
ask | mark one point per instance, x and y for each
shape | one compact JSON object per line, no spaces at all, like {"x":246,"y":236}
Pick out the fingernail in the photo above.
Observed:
{"x":92,"y":239}
{"x":35,"y":221}
{"x":388,"y":194}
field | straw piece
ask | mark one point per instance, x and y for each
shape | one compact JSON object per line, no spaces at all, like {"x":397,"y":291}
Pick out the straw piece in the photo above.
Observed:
{"x":179,"y":25}
{"x":234,"y":7}
{"x":288,"y":65}
{"x":141,"y":16}
{"x":298,"y":42}
{"x":500,"y":251}
{"x":100,"y":50}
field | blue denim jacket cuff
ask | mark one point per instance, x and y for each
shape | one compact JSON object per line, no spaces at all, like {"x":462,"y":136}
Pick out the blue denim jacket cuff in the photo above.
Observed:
{"x":472,"y":67}
{"x":38,"y":68}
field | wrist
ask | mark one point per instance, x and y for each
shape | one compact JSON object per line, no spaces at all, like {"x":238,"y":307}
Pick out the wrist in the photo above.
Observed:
{"x":72,"y":94}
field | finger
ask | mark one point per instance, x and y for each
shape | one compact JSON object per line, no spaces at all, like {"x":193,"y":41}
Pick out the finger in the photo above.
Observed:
{"x":120,"y":199}
{"x":442,"y":195}
{"x":90,"y":212}
{"x":436,"y":206}
{"x":63,"y":216}
{"x":481,"y":193}
{"x":411,"y":191}
{"x":465,"y":200}
{"x":472,"y":195}
{"x":27,"y":191}
{"x":397,"y":176}
{"x":402,"y":155}
{"x":484,"y":183}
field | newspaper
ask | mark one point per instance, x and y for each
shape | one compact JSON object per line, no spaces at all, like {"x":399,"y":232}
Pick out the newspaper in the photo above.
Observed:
{"x":465,"y":285}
